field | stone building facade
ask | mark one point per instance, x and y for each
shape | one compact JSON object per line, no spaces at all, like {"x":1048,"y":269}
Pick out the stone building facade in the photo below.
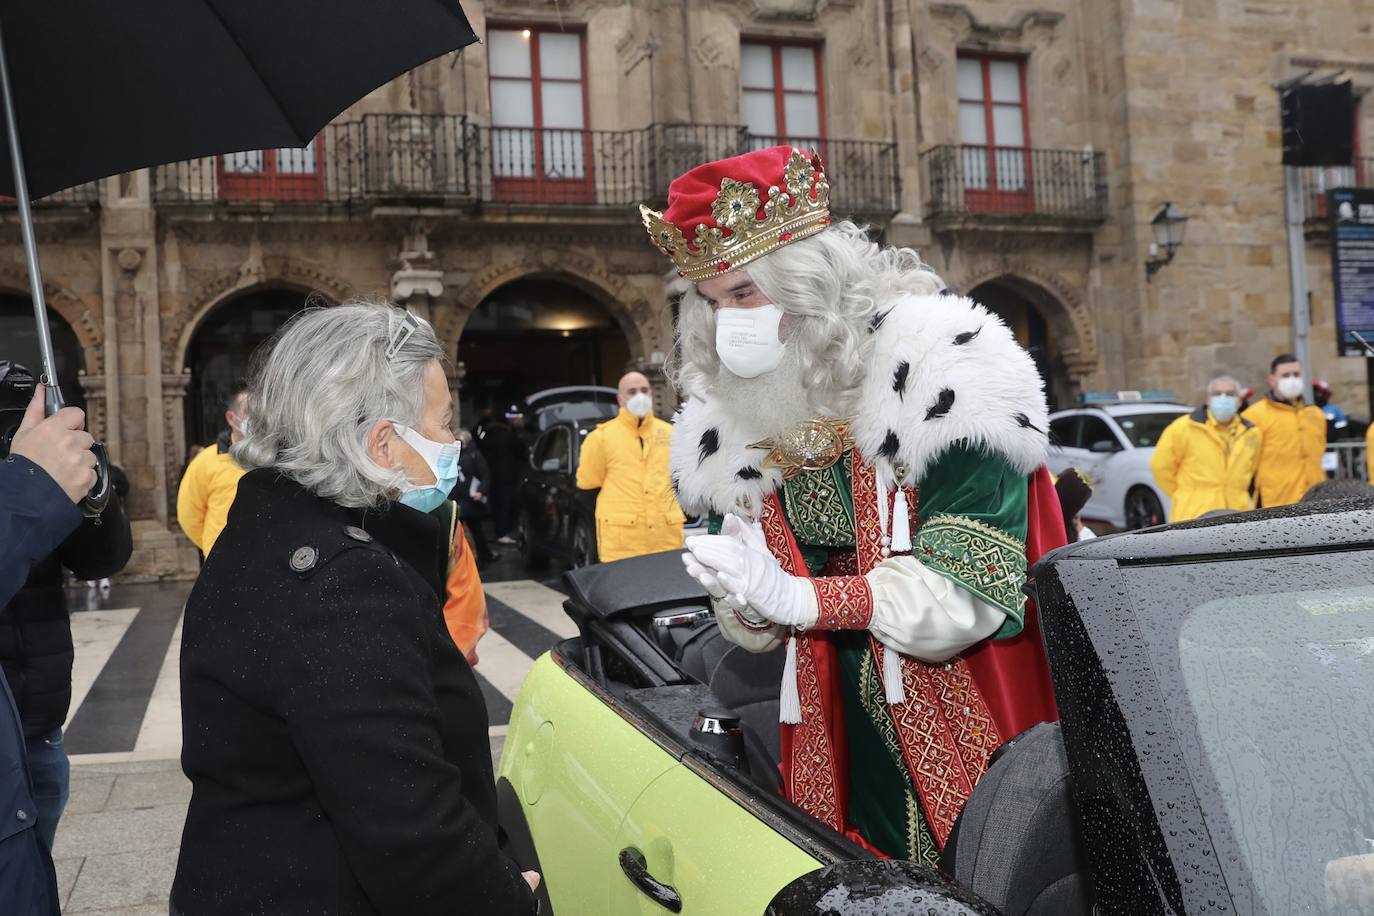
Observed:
{"x":1022,"y":148}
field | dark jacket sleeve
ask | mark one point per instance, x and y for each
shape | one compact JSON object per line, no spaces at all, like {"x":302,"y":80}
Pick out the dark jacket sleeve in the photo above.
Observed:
{"x":94,"y":551}
{"x":367,"y":726}
{"x":481,"y":471}
{"x":35,"y":515}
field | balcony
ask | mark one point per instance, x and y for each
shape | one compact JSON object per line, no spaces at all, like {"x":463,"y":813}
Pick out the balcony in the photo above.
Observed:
{"x":1006,"y":184}
{"x":82,"y":196}
{"x":1315,"y":181}
{"x":444,"y":160}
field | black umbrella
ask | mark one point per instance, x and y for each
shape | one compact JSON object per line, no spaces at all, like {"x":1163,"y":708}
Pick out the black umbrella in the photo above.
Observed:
{"x":96,"y":88}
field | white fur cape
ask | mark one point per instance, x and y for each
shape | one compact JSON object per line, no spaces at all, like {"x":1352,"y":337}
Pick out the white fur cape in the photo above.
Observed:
{"x":943,"y":370}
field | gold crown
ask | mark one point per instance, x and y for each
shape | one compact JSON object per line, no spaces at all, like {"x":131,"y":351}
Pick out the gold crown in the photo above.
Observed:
{"x":803,"y":212}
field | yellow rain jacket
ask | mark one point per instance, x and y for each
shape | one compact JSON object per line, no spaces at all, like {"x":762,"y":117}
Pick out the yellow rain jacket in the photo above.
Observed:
{"x":207,"y":491}
{"x":1369,"y":454}
{"x":1291,"y":457}
{"x":1202,"y":465}
{"x":636,"y":511}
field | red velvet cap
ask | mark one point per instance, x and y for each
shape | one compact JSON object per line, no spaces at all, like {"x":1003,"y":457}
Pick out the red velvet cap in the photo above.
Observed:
{"x":723,"y":214}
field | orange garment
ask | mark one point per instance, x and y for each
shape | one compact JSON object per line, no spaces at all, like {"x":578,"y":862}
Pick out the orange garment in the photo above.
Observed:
{"x":465,"y":607}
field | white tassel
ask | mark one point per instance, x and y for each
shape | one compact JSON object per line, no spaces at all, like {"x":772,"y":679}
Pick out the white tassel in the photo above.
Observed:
{"x":885,"y":541}
{"x":892,"y":677}
{"x":901,"y":523}
{"x":789,"y":703}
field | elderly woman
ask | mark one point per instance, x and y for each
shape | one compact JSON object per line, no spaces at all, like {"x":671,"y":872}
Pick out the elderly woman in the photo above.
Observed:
{"x":334,"y":735}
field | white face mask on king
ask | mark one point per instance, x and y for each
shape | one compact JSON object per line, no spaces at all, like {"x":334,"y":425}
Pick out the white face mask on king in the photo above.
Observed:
{"x":747,"y":339}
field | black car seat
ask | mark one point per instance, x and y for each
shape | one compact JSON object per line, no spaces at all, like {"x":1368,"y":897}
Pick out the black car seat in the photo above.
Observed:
{"x":1016,"y":844}
{"x":746,"y":682}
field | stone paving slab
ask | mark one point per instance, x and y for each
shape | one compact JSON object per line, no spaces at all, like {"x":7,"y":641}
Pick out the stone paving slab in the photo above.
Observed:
{"x":141,"y":878}
{"x":117,"y":843}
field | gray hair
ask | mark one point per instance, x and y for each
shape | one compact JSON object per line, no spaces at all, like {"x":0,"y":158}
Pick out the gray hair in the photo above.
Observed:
{"x":837,"y":279}
{"x":1223,"y":379}
{"x":324,"y":383}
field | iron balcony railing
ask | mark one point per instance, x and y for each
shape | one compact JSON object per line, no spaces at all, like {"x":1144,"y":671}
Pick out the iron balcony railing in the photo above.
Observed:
{"x":1014,"y":182}
{"x":407,"y":157}
{"x":83,"y":195}
{"x":376,"y":157}
{"x":1315,"y":181}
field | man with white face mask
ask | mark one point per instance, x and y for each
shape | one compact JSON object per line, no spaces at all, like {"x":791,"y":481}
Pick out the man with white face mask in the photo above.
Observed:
{"x":826,"y":381}
{"x":1290,"y":460}
{"x":627,"y":460}
{"x":1205,"y":460}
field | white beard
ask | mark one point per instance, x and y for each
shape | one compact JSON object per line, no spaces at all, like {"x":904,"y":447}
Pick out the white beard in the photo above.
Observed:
{"x":772,"y":403}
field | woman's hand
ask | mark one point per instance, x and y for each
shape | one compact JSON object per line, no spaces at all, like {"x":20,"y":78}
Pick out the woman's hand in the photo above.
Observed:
{"x":531,"y":878}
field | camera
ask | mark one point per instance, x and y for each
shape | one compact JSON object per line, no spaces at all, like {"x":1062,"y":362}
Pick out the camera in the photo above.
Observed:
{"x":17,"y":385}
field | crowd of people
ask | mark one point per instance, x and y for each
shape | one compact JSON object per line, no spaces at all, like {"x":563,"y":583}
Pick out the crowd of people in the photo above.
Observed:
{"x":867,"y":446}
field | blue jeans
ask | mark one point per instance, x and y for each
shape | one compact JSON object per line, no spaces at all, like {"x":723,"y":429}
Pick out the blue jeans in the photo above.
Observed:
{"x":51,"y":772}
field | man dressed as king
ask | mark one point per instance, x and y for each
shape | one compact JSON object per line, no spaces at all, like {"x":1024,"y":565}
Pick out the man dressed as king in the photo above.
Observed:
{"x":870,"y":449}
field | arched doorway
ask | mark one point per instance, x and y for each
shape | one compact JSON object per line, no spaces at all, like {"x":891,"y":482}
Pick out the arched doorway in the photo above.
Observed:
{"x":220,"y":351}
{"x":1012,"y":303}
{"x":534,"y":334}
{"x":19,"y":333}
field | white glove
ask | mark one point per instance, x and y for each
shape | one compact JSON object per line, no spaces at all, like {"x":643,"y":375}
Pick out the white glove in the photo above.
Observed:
{"x":707,"y":579}
{"x":750,"y":534}
{"x":753,"y":577}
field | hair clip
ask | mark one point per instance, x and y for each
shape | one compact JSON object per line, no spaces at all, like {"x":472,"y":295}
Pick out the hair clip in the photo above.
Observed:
{"x":409,"y":325}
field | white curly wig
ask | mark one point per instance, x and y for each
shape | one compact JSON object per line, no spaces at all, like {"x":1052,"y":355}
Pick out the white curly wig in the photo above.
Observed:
{"x":836,"y":281}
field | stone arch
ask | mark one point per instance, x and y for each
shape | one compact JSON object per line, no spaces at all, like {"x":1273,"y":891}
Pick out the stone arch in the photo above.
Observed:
{"x":1058,"y":303}
{"x":581,"y":272}
{"x":87,"y":327}
{"x":271,"y":273}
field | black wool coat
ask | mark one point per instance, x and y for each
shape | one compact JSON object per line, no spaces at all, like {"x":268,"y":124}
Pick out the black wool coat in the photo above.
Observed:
{"x":334,"y":735}
{"x":35,"y":627}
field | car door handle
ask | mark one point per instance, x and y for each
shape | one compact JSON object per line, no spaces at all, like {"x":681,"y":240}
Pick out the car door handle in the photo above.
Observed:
{"x":634,"y":866}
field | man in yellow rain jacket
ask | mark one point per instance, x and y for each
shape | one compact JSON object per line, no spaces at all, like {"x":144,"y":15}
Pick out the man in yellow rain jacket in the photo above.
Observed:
{"x":1205,"y":460}
{"x":211,"y":480}
{"x":1294,"y":437}
{"x":627,"y":460}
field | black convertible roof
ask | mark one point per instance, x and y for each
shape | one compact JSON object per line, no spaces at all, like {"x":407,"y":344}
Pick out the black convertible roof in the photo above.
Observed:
{"x":1339,"y":524}
{"x":625,"y":585}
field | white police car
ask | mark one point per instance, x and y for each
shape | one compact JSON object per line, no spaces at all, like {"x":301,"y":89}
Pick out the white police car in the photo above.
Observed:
{"x":1111,"y":438}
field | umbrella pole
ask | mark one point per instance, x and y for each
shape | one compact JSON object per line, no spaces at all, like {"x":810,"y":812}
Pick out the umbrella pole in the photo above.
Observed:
{"x":21,"y":196}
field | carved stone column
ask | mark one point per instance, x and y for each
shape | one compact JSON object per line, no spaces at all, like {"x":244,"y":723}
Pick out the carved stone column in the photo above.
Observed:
{"x":174,"y":421}
{"x":418,"y":282}
{"x":93,"y":389}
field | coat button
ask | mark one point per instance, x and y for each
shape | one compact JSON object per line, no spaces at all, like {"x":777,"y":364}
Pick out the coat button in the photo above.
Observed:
{"x":22,"y":814}
{"x":358,"y":534}
{"x":304,"y":559}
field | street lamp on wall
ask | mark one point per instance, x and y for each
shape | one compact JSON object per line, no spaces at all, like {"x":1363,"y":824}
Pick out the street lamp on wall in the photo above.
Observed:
{"x":1168,"y":226}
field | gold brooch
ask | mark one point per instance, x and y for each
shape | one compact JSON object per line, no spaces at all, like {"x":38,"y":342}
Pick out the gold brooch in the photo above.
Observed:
{"x":812,"y":445}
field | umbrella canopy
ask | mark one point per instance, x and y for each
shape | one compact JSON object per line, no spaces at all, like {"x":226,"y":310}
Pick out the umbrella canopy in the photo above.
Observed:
{"x":101,"y":87}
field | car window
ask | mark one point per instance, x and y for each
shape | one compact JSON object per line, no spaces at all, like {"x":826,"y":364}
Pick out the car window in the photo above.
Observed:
{"x":575,"y":410}
{"x":1096,"y":429}
{"x":1268,"y":670}
{"x":1144,"y":429}
{"x":554,"y":446}
{"x":1064,"y":432}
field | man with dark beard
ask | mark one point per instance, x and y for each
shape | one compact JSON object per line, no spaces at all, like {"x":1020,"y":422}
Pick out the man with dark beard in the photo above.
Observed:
{"x":870,"y":448}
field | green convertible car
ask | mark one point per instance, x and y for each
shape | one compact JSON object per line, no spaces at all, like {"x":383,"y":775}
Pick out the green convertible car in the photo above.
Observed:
{"x":1213,"y":755}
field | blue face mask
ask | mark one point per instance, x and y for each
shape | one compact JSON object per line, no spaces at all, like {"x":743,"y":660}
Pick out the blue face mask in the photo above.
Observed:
{"x":442,"y":458}
{"x":1223,"y":407}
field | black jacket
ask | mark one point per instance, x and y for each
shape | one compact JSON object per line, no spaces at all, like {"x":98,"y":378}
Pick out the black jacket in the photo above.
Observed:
{"x":35,"y":631}
{"x":334,"y":736}
{"x":472,"y":465}
{"x":35,"y":516}
{"x":504,"y":450}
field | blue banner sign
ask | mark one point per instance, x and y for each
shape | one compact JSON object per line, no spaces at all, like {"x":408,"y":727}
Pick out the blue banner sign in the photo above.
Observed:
{"x":1351,"y":211}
